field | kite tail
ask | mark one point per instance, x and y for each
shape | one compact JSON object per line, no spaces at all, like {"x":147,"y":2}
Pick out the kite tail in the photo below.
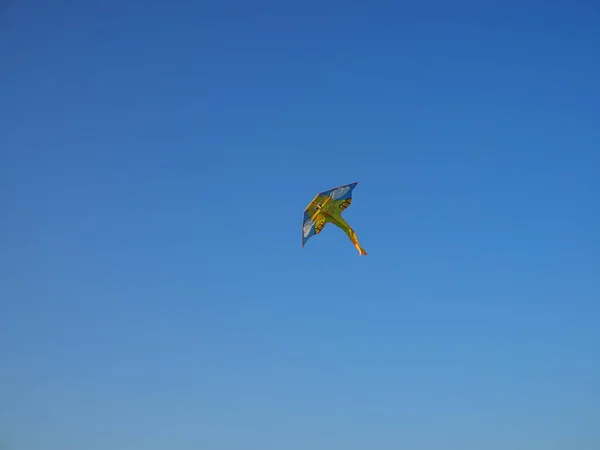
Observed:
{"x":352,"y":235}
{"x":361,"y":250}
{"x":350,"y":232}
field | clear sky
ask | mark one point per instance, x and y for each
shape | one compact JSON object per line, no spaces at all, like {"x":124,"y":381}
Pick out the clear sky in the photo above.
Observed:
{"x":156,"y":159}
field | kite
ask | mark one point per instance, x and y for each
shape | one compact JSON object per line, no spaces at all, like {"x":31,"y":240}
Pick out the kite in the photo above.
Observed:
{"x":327,"y":207}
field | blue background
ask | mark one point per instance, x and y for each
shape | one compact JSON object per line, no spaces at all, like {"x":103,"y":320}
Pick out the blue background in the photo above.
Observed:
{"x":156,"y":159}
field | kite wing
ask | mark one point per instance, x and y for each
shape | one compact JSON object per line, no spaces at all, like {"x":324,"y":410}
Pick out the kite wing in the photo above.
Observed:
{"x":327,"y":207}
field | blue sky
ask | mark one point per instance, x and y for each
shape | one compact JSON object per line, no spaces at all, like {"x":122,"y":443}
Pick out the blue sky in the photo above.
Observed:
{"x":156,"y":159}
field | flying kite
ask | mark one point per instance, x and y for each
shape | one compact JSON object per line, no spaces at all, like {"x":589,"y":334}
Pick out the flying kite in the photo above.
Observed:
{"x":326,"y":208}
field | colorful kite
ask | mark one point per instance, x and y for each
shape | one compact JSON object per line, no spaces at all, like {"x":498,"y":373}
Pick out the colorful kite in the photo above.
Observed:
{"x":327,"y":208}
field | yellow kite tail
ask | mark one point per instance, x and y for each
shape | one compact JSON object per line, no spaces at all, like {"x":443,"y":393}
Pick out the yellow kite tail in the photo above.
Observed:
{"x":354,"y":239}
{"x":340,"y":222}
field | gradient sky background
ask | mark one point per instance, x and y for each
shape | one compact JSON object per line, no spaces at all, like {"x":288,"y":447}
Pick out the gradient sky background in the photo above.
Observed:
{"x":156,"y":159}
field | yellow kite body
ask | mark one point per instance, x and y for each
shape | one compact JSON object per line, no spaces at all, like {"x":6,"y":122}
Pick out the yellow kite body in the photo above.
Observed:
{"x":327,"y":207}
